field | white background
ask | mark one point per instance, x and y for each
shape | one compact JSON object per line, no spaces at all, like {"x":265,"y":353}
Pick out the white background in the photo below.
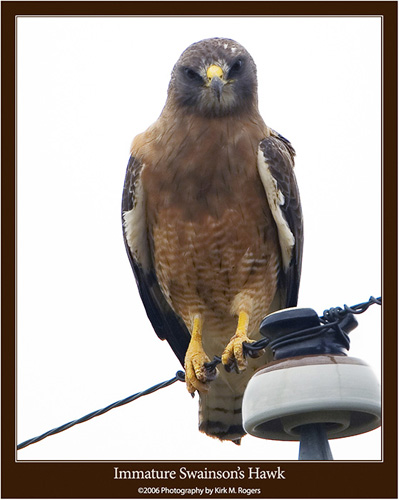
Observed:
{"x":86,"y":87}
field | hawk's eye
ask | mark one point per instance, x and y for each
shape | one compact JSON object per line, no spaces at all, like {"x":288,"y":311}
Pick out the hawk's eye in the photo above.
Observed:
{"x":236,"y":68}
{"x":192,"y":75}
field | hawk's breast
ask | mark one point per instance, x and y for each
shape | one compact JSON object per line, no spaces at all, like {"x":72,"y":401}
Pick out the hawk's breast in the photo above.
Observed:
{"x":212,"y":231}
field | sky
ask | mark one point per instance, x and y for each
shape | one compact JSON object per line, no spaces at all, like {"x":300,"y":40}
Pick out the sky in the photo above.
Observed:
{"x":85,"y":87}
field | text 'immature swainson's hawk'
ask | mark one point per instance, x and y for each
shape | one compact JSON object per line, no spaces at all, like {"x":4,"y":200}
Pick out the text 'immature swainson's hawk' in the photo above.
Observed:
{"x":213,"y":225}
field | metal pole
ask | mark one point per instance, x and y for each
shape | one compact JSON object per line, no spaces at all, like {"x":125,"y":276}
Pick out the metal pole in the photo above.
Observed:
{"x":314,"y":443}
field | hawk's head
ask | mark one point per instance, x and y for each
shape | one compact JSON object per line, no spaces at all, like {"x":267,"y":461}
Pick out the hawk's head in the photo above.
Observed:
{"x":214,"y":77}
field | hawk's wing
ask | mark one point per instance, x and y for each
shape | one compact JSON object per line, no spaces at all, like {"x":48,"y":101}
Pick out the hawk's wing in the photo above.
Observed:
{"x":275,"y":165}
{"x":165,"y":322}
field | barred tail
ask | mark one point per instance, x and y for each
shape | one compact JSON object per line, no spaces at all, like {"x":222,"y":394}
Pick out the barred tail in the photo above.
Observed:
{"x":220,"y":412}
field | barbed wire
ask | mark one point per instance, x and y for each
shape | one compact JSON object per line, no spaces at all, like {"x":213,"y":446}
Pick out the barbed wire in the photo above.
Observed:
{"x":331,"y":318}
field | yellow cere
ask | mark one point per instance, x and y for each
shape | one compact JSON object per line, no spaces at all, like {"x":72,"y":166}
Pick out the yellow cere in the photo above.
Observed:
{"x":214,"y":70}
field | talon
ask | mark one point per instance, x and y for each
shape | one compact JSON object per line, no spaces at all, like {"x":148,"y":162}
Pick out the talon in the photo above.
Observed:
{"x":197,"y":374}
{"x":232,"y":366}
{"x":233,"y":356}
{"x":211,"y":367}
{"x":210,"y":372}
{"x":252,"y":353}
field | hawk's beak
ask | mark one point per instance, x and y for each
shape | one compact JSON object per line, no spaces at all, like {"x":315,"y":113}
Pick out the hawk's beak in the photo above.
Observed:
{"x":217,"y":85}
{"x":216,"y":81}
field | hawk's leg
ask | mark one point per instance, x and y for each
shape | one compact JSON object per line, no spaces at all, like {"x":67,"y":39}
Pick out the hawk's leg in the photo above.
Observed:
{"x":197,"y":376}
{"x":233,"y":356}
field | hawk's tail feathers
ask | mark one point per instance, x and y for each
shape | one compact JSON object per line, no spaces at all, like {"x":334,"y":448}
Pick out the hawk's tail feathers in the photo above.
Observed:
{"x":220,"y":412}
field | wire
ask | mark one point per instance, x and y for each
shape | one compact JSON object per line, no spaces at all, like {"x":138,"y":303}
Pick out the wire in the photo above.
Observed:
{"x":336,"y":313}
{"x":331,"y":318}
{"x":178,"y":377}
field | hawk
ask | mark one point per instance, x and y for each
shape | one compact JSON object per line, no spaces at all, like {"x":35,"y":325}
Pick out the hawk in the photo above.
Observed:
{"x":212,"y":225}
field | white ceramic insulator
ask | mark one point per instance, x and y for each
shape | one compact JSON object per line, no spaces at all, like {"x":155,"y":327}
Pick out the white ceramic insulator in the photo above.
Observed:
{"x":340,"y":391}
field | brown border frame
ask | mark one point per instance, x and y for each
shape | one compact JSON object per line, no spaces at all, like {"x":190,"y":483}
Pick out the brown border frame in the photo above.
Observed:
{"x":303,"y":480}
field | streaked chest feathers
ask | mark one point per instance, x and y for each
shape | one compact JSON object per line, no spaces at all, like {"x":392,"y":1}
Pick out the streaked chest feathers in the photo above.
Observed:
{"x":213,"y":235}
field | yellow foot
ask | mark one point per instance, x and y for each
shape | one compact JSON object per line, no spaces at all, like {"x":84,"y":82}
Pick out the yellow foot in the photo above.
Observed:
{"x":197,"y":376}
{"x":233,"y":356}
